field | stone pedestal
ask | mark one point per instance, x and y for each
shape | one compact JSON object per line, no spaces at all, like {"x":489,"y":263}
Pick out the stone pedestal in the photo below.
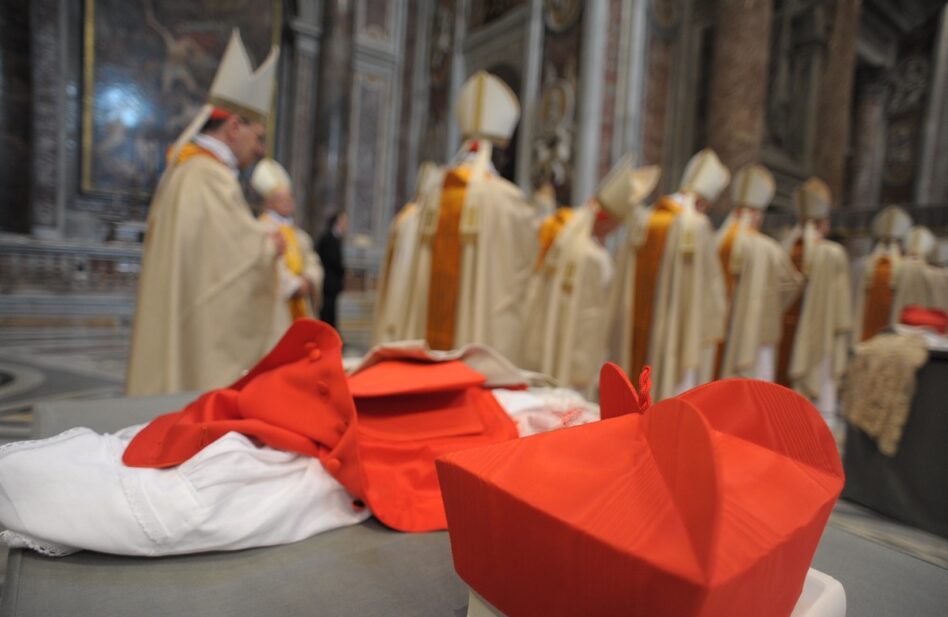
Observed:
{"x":739,"y":82}
{"x":836,"y":91}
{"x":333,"y":101}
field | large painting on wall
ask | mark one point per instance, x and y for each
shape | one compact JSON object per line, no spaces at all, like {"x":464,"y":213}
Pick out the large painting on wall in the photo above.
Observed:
{"x":147,"y":67}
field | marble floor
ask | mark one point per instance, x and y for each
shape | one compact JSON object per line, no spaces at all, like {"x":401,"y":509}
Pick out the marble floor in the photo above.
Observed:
{"x":87,"y":362}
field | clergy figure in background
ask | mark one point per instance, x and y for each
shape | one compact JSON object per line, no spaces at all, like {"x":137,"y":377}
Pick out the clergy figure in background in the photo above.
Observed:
{"x":300,"y":270}
{"x":760,"y":280}
{"x":565,"y":336}
{"x":813,"y":348}
{"x":917,"y":281}
{"x":209,"y":268}
{"x":877,"y":275}
{"x":398,"y":269}
{"x":668,"y":306}
{"x":330,"y":251}
{"x":477,"y":241}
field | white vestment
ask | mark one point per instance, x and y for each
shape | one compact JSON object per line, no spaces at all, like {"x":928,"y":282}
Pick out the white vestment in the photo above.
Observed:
{"x":290,"y":282}
{"x":498,"y":249}
{"x":208,"y":284}
{"x":568,"y":304}
{"x":820,"y":347}
{"x":688,"y":303}
{"x":765,"y":285}
{"x":397,"y":278}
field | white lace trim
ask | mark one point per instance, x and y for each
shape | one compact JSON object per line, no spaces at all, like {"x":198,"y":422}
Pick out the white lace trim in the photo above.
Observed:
{"x":32,"y":444}
{"x":14,"y":539}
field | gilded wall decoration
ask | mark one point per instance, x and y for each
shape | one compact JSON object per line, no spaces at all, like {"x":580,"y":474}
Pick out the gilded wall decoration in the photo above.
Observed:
{"x":552,"y":149}
{"x":147,"y":68}
{"x":553,"y":144}
{"x":560,"y":15}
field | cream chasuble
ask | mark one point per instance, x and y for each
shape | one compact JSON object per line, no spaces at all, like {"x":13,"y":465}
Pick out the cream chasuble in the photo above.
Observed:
{"x":818,"y":348}
{"x":875,"y":291}
{"x":475,"y":251}
{"x":921,"y":284}
{"x":668,"y":304}
{"x":567,"y":304}
{"x":299,"y":262}
{"x":208,"y":284}
{"x":762,"y":283}
{"x":395,"y":281}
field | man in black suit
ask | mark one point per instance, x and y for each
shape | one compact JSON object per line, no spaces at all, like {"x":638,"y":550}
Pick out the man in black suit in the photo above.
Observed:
{"x":329,"y":249}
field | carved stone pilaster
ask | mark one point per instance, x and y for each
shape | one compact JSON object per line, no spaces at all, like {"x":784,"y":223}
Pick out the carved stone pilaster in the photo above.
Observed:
{"x":836,"y":92}
{"x":333,"y":99}
{"x":739,"y":81}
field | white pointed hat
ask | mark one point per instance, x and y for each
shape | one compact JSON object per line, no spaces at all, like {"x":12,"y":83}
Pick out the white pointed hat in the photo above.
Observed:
{"x":487,"y":109}
{"x":892,"y":222}
{"x":269,"y":176}
{"x":920,"y":242}
{"x":625,"y":186}
{"x":753,"y":187}
{"x":236,"y":88}
{"x":705,"y":175}
{"x":813,"y":200}
{"x":240,"y":89}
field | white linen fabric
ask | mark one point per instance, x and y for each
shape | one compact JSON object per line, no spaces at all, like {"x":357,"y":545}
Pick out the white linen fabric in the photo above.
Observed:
{"x":72,"y":492}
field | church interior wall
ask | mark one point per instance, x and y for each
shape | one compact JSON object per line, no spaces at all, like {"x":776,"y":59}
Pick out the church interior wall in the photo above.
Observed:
{"x":595,"y":79}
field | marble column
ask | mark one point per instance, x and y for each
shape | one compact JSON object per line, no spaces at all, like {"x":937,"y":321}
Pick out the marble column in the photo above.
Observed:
{"x":15,"y":116}
{"x":835,"y":98}
{"x":328,"y":191}
{"x":738,"y":88}
{"x":868,"y":144}
{"x":933,"y":184}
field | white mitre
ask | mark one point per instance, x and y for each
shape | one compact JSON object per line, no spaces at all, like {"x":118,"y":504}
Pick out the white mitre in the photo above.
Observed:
{"x":236,"y":88}
{"x":625,"y":186}
{"x":487,"y":109}
{"x":705,"y":175}
{"x":813,"y":200}
{"x":892,"y":223}
{"x":269,"y":176}
{"x":920,"y":242}
{"x":753,"y":187}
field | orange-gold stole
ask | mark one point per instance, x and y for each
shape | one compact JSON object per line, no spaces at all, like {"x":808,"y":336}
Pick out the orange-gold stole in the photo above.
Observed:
{"x":790,"y":321}
{"x":293,"y":258}
{"x":646,"y":275}
{"x":878,"y":300}
{"x":724,"y":253}
{"x":549,"y":230}
{"x":446,"y":261}
{"x":190,"y":150}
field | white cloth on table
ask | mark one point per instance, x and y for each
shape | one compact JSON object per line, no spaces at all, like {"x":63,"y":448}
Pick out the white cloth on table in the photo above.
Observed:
{"x":72,"y":492}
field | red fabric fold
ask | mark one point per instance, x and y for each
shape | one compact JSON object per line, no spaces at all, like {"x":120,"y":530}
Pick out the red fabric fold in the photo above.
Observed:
{"x":377,"y":432}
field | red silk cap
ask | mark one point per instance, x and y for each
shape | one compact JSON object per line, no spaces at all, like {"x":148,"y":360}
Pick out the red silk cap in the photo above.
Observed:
{"x":707,"y":504}
{"x":220,"y":114}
